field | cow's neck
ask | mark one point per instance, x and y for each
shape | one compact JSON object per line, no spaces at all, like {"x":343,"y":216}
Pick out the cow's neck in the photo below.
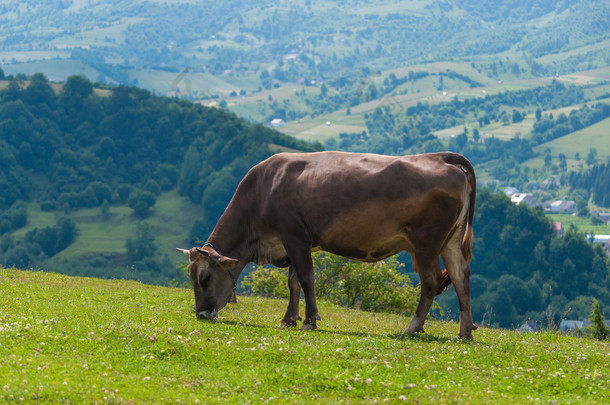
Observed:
{"x":230,"y":238}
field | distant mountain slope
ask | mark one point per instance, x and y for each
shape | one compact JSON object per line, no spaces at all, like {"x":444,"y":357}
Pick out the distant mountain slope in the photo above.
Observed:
{"x":116,"y":38}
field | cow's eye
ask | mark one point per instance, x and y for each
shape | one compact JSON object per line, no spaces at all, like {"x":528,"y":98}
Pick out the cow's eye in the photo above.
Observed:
{"x":206,"y":278}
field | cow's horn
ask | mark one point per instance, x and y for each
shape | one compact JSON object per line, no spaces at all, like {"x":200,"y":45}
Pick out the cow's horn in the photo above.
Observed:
{"x":185,"y":251}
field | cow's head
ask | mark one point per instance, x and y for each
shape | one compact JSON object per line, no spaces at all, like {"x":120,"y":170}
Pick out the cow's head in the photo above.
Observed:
{"x":212,"y":283}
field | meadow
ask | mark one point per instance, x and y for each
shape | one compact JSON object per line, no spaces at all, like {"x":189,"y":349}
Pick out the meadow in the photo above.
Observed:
{"x":583,"y":224}
{"x":595,"y":136}
{"x":106,"y":233}
{"x":75,"y":340}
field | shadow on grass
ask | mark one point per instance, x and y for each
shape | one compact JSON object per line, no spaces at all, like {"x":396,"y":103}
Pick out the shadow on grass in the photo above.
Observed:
{"x":399,"y":336}
{"x":295,"y":329}
{"x":427,"y":338}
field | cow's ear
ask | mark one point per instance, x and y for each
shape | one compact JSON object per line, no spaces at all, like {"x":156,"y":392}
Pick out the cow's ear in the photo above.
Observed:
{"x":227,"y":263}
{"x":203,"y":252}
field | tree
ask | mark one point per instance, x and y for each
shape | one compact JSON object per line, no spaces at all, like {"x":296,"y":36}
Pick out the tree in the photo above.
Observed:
{"x":167,"y":176}
{"x":194,"y":168}
{"x":462,"y":140}
{"x":76,"y":89}
{"x":372,"y":92}
{"x":39,"y":91}
{"x":218,"y":192}
{"x":53,"y":239}
{"x":548,"y":159}
{"x":517,"y":116}
{"x":503,"y":310}
{"x":476,"y":136}
{"x":598,"y":329}
{"x":323,"y":90}
{"x":378,"y":287}
{"x":141,"y":202}
{"x":143,"y":246}
{"x":563,"y":164}
{"x":267,"y":282}
{"x":592,"y":157}
{"x":66,"y":233}
{"x":105,"y":208}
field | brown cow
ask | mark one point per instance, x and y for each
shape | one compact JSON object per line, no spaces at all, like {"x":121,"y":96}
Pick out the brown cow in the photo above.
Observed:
{"x":361,"y":206}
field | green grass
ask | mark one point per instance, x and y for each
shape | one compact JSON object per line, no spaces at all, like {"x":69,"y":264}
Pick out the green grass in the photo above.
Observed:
{"x":81,"y":340}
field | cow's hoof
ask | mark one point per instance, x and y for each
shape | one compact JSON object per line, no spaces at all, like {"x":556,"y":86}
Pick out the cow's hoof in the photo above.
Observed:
{"x":309,"y":326}
{"x":288,"y":324}
{"x":290,"y":321}
{"x":415,"y":330}
{"x":467,"y":334}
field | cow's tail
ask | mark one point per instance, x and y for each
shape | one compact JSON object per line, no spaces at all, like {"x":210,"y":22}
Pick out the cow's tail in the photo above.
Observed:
{"x":465,"y":165}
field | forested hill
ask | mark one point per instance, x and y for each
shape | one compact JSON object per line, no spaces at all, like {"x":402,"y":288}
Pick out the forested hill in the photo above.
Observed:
{"x":79,"y":147}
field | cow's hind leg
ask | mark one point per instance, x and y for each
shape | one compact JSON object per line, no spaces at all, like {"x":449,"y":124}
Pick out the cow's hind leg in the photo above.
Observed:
{"x":429,"y":270}
{"x":292,"y":312}
{"x":459,"y":272}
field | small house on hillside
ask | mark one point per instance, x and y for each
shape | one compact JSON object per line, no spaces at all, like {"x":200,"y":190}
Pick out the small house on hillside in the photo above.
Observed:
{"x":529,"y":327}
{"x":277,"y":122}
{"x":602,"y":239}
{"x":525,"y":198}
{"x":570,"y":326}
{"x":604,"y":217}
{"x":563,"y":207}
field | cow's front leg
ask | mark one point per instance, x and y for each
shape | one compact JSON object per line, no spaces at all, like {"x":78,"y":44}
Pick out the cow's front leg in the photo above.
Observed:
{"x":292,"y":312}
{"x":300,"y":257}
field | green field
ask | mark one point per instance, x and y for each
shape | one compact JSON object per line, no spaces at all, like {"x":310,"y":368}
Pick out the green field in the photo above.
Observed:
{"x":54,"y":69}
{"x":99,"y":233}
{"x":82,"y":340}
{"x":583,"y":224}
{"x":596,"y":136}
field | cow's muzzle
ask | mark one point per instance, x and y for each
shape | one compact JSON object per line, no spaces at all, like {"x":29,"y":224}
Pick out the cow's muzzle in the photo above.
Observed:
{"x":209,"y":315}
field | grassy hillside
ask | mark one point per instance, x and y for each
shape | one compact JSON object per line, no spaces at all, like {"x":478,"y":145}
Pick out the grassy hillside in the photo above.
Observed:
{"x":105,"y":233}
{"x":421,"y":91}
{"x":73,"y":340}
{"x":595,"y":136}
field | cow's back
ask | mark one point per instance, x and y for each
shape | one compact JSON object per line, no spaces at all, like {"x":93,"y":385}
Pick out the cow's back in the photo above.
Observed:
{"x":362,"y":206}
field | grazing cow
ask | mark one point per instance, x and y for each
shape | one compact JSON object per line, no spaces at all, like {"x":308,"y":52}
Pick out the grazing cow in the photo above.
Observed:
{"x":361,"y":206}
